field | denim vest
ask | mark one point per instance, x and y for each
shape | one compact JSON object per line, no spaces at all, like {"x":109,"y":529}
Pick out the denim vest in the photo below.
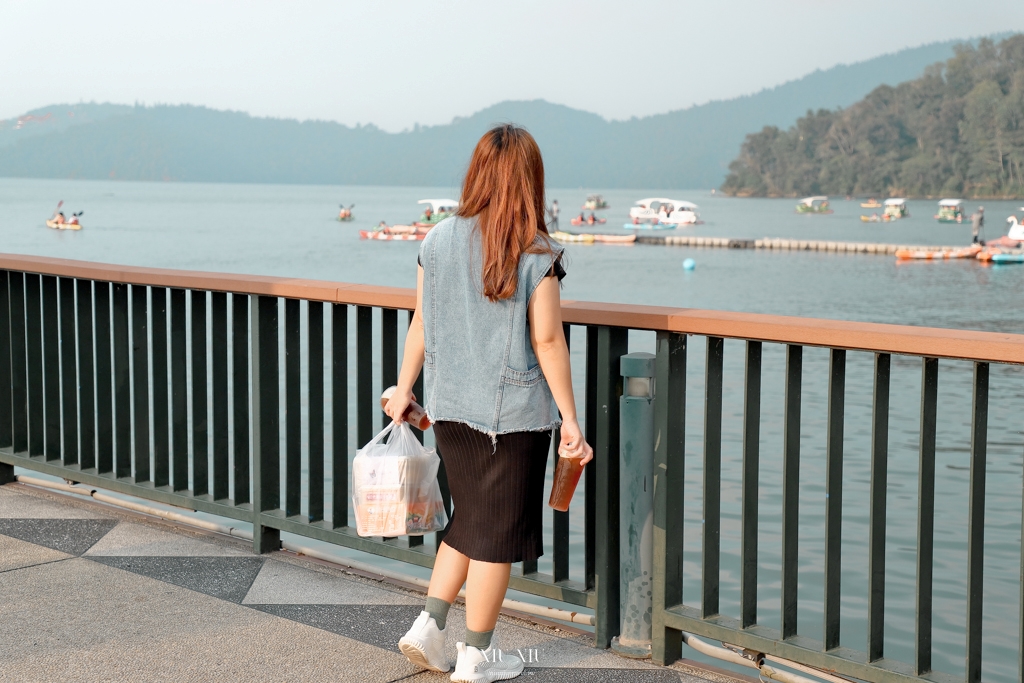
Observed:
{"x":479,"y":365}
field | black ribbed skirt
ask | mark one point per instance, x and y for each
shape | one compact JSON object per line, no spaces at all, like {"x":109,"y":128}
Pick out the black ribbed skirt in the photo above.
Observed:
{"x":497,"y":493}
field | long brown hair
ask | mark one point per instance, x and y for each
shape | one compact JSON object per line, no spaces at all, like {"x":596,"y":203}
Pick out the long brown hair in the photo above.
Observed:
{"x":504,"y":189}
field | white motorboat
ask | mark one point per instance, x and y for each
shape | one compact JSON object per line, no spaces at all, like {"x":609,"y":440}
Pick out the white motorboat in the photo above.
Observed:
{"x":663,"y":210}
{"x":438,"y":210}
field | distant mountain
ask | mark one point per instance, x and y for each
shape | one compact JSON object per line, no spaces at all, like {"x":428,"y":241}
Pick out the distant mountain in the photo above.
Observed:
{"x":689,"y":148}
{"x":958,"y":130}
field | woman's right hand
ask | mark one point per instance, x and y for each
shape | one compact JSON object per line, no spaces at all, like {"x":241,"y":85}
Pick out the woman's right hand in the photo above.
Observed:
{"x":572,"y":444}
{"x":396,"y":405}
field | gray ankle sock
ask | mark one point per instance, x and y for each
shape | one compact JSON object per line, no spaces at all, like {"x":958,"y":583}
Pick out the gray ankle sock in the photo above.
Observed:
{"x":479,"y":639}
{"x":438,"y":609}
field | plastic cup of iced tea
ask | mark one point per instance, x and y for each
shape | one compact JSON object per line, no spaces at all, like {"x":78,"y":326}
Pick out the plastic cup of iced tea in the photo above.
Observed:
{"x":567,"y":476}
{"x":414,"y":414}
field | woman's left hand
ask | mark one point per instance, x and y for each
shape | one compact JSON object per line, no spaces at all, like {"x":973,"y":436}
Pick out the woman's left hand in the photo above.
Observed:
{"x":397,"y":404}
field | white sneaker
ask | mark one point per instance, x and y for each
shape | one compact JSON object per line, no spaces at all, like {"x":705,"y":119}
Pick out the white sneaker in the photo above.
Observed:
{"x":423,"y":645}
{"x":483,"y":666}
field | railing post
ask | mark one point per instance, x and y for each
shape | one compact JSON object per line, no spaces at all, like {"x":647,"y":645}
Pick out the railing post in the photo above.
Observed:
{"x":636,"y":509}
{"x":669,"y":426}
{"x":266,"y":477}
{"x":612,"y":343}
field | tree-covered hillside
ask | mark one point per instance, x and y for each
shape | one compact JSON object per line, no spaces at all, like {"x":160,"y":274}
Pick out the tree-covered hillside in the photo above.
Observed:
{"x":684,"y":149}
{"x":956,"y":131}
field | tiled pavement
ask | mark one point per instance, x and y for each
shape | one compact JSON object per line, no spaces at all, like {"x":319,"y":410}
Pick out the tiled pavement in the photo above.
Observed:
{"x":92,"y":593}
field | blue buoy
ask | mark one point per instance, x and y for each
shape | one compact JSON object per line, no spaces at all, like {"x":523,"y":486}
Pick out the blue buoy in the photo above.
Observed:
{"x":689,"y":264}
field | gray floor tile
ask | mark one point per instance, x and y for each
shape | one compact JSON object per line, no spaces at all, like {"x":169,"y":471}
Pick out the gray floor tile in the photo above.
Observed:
{"x":227,"y":578}
{"x":71,"y":536}
{"x":81,"y":621}
{"x":144,"y":540}
{"x":284,"y":583}
{"x":15,"y":554}
{"x":380,"y":625}
{"x":33,"y":503}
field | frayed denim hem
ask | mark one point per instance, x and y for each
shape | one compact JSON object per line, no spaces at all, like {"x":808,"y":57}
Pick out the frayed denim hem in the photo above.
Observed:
{"x":493,"y":434}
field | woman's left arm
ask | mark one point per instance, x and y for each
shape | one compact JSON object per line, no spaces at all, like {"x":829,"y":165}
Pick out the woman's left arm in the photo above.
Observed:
{"x":412,"y":359}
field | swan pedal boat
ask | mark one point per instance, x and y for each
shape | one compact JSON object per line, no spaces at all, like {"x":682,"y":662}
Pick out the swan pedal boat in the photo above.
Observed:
{"x":50,"y":223}
{"x":938,"y":254}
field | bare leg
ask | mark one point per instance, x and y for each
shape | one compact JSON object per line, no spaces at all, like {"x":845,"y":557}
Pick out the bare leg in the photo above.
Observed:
{"x":485,"y":591}
{"x":450,"y":568}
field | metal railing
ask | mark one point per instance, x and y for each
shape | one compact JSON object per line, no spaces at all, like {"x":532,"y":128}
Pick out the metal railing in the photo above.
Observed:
{"x":171,"y":386}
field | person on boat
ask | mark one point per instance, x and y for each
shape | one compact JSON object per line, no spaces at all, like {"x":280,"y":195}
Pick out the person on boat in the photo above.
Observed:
{"x":553,"y":211}
{"x":74,"y":219}
{"x":582,"y":218}
{"x":428,"y":213}
{"x":592,"y":219}
{"x":977,"y":223}
{"x":382,"y":226}
{"x":487,"y":301}
{"x":59,"y":218}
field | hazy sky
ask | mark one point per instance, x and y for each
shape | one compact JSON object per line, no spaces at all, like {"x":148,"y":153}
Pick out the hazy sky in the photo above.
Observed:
{"x":401,"y":62}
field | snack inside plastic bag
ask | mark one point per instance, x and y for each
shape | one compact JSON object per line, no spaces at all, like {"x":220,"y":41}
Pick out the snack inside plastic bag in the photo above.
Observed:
{"x":394,"y":486}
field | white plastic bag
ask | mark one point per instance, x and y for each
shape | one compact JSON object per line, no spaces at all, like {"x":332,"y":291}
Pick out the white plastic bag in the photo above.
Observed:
{"x":394,"y":486}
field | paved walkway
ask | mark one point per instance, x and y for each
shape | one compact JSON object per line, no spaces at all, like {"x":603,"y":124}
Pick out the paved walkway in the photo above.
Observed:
{"x":94,"y":593}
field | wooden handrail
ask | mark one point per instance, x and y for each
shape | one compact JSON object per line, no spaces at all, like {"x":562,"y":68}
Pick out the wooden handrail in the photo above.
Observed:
{"x":995,"y":347}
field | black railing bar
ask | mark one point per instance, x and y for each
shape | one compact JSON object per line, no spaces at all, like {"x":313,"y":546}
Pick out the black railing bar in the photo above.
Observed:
{"x":122,"y":383}
{"x":751,"y":471}
{"x":34,"y":361}
{"x":339,"y":415}
{"x":292,"y":408}
{"x":142,"y":417}
{"x":590,"y":473}
{"x":200,"y":387}
{"x":179,"y":390}
{"x":560,"y":520}
{"x":19,"y":365}
{"x":669,"y":460}
{"x":366,"y":410}
{"x":388,"y":354}
{"x":926,"y":516}
{"x":68,"y":352}
{"x":417,"y":389}
{"x":51,"y":369}
{"x":791,"y":489}
{"x":877,"y":507}
{"x":240,"y":407}
{"x":104,"y":378}
{"x":712,"y":494}
{"x":976,"y":522}
{"x":6,"y":409}
{"x":612,"y":344}
{"x":266,"y":421}
{"x":834,"y":497}
{"x":219,"y":394}
{"x":161,"y":411}
{"x":315,"y":402}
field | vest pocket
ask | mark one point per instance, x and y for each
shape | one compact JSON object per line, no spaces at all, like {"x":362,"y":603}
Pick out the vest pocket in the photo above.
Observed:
{"x":428,"y":359}
{"x":522,"y":379}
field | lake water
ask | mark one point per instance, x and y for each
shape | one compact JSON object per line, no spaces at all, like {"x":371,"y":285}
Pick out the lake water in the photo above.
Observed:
{"x":289,"y":230}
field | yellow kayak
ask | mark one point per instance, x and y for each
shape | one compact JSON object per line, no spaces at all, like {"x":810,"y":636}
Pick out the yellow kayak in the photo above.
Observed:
{"x":63,"y":226}
{"x":584,"y":238}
